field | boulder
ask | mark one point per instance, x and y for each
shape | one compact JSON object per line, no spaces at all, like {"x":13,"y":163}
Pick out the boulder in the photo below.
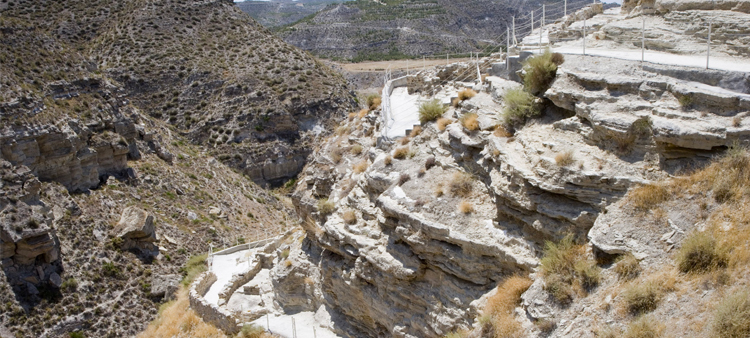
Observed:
{"x":164,"y":286}
{"x":135,"y":224}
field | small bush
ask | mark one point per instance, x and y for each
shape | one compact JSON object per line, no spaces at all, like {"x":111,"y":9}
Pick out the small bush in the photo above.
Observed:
{"x":194,"y":267}
{"x":360,"y":167}
{"x":443,"y":122}
{"x":251,"y":331}
{"x":643,"y":297}
{"x":400,"y":153}
{"x":415,"y":132}
{"x":405,"y":141}
{"x":469,"y":121}
{"x":325,"y":207}
{"x":69,"y":284}
{"x":498,"y":312}
{"x":648,"y":196}
{"x":564,"y":266}
{"x":737,"y":121}
{"x":627,"y":267}
{"x":540,"y":71}
{"x":76,"y":334}
{"x":349,"y":217}
{"x":403,"y":178}
{"x":686,"y":101}
{"x":700,"y":253}
{"x":374,"y":101}
{"x":466,"y":94}
{"x":500,"y":131}
{"x":110,"y":269}
{"x":431,"y":111}
{"x":565,"y":158}
{"x":356,"y":149}
{"x":336,"y":155}
{"x":466,"y":207}
{"x":644,"y":327}
{"x":519,"y":106}
{"x":461,"y":184}
{"x":732,"y":318}
{"x":362,"y":113}
{"x":388,"y":160}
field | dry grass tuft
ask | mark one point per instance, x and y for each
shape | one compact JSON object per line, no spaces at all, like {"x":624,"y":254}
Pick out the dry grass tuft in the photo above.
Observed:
{"x":566,"y":267}
{"x":325,"y":207}
{"x":178,"y":320}
{"x":415,"y":132}
{"x":466,"y":207}
{"x":405,"y":141}
{"x":360,"y":167}
{"x":429,"y":162}
{"x":499,"y":307}
{"x":388,"y":160}
{"x":732,"y":318}
{"x":439,"y":190}
{"x":253,"y":331}
{"x":443,"y":122}
{"x":627,"y":267}
{"x":645,"y":296}
{"x":644,"y":327}
{"x":349,"y":217}
{"x":701,"y":253}
{"x":352,"y":116}
{"x":466,"y":94}
{"x":737,"y":121}
{"x":403,"y":178}
{"x":470,"y":122}
{"x":565,"y":158}
{"x":462,"y":184}
{"x":431,"y":111}
{"x":401,"y":153}
{"x":356,"y":149}
{"x":362,"y":113}
{"x":646,"y":197}
{"x":336,"y":155}
{"x":374,"y":101}
{"x":500,"y":131}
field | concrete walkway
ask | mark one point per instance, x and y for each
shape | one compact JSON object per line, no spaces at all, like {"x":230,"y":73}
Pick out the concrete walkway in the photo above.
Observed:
{"x":224,"y":266}
{"x":405,"y":112}
{"x":305,"y":323}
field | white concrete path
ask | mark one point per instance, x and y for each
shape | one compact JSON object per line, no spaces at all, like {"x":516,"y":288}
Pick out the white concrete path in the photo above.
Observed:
{"x":404,"y":111}
{"x":224,"y":266}
{"x":307,"y":326}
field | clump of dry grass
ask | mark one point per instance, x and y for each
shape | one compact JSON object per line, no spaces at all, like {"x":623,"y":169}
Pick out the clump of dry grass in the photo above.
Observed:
{"x":349,"y":217}
{"x":415,"y":132}
{"x":466,"y":94}
{"x":462,"y":184}
{"x":352,"y":116}
{"x":644,"y":327}
{"x":403,"y":178}
{"x":356,"y":149}
{"x":429,"y":163}
{"x":737,"y":121}
{"x":701,"y":253}
{"x":253,"y":331}
{"x":430,"y":111}
{"x":360,"y":167}
{"x":443,"y":122}
{"x":470,"y":122}
{"x":648,"y":196}
{"x":565,"y":158}
{"x":388,"y":160}
{"x":405,"y":141}
{"x":325,"y":207}
{"x":643,"y":297}
{"x":500,"y":306}
{"x":500,"y":131}
{"x":627,"y":267}
{"x":177,"y":319}
{"x":439,"y":190}
{"x":401,"y":153}
{"x":362,"y":113}
{"x":466,"y":207}
{"x":566,"y":267}
{"x":374,"y":101}
{"x":336,"y":155}
{"x":732,"y":318}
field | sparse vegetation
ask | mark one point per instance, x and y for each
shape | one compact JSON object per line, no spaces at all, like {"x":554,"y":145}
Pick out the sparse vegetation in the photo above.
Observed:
{"x":443,"y":122}
{"x":686,"y":101}
{"x":566,"y":267}
{"x":356,"y":149}
{"x":540,"y":71}
{"x":499,"y":308}
{"x":403,"y":178}
{"x":700,"y":253}
{"x":360,"y":167}
{"x":253,"y":331}
{"x":644,"y":327}
{"x":431,"y":111}
{"x":469,"y":121}
{"x":178,"y":320}
{"x":325,"y":207}
{"x":401,"y":153}
{"x":645,"y":296}
{"x":415,"y":132}
{"x":374,"y":101}
{"x":648,"y":196}
{"x":461,"y":184}
{"x":194,"y":267}
{"x":627,"y":267}
{"x":519,"y":106}
{"x":388,"y":160}
{"x":350,"y":217}
{"x":565,"y":158}
{"x":466,"y":207}
{"x":466,"y":94}
{"x":429,"y":162}
{"x":732,"y":317}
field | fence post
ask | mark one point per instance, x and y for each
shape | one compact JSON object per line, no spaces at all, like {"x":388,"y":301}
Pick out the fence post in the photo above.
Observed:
{"x":565,"y":8}
{"x":532,"y":22}
{"x":643,"y":40}
{"x":541,"y":27}
{"x":514,"y":31}
{"x":424,"y":64}
{"x":584,"y":35}
{"x":268,"y":325}
{"x":507,"y":48}
{"x":447,"y":59}
{"x":708,"y":47}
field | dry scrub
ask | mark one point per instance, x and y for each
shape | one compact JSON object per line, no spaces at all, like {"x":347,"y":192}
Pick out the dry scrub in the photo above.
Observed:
{"x":462,"y":184}
{"x":401,"y":153}
{"x":466,"y":207}
{"x":443,"y":122}
{"x":349,"y":217}
{"x":565,"y":158}
{"x":178,"y":320}
{"x":470,"y":122}
{"x":360,"y":167}
{"x":498,"y":312}
{"x":466,"y":94}
{"x":645,"y":296}
{"x":567,"y":269}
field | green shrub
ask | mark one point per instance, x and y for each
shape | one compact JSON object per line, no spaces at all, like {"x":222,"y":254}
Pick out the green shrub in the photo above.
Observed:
{"x":565,"y":266}
{"x":519,"y":106}
{"x":69,"y":284}
{"x":76,"y":335}
{"x":540,"y":71}
{"x":431,"y":110}
{"x":325,"y":207}
{"x":194,"y":267}
{"x":700,"y":253}
{"x":373,"y":101}
{"x":732,"y":318}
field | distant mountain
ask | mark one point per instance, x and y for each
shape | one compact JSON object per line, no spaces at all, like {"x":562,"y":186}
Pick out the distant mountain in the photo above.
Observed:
{"x":388,"y":29}
{"x":282,"y":12}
